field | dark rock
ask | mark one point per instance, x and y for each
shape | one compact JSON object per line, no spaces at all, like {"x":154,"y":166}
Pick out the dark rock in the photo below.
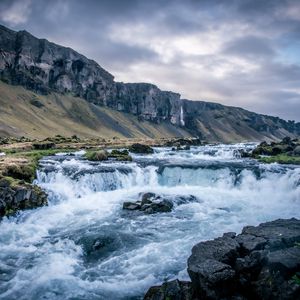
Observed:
{"x":187,"y":142}
{"x":19,"y":197}
{"x":185,"y":199}
{"x":171,"y":290}
{"x":120,"y":155}
{"x":147,"y":198}
{"x":140,"y":148}
{"x":157,"y":206}
{"x":286,"y":146}
{"x":296,"y":151}
{"x":260,"y":263}
{"x":150,"y":203}
{"x":42,"y":66}
{"x":43,"y":146}
{"x":132,"y":205}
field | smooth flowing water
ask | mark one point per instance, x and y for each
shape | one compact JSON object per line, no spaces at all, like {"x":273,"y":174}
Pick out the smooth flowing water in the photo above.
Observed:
{"x":85,"y":246}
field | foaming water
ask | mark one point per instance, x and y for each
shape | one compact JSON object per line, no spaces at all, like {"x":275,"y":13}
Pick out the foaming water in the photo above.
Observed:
{"x":84,"y":246}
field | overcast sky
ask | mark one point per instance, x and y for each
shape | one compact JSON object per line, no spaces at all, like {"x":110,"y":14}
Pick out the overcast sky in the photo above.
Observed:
{"x":241,"y":53}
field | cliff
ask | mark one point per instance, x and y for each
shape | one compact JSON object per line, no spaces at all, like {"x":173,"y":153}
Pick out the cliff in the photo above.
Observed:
{"x":45,"y":68}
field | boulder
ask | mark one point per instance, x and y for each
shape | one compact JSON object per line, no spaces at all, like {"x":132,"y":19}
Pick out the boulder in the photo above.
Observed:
{"x":141,"y":149}
{"x":18,"y":197}
{"x":171,"y":290}
{"x":150,"y":203}
{"x":262,"y":262}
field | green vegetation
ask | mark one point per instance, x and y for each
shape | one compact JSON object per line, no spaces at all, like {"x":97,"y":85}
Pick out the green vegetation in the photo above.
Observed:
{"x":22,"y":165}
{"x":22,"y":172}
{"x":120,"y":155}
{"x":96,"y":155}
{"x":100,"y":155}
{"x":296,"y":279}
{"x":140,"y":148}
{"x":283,"y":152}
{"x":70,"y":117}
{"x":281,"y":159}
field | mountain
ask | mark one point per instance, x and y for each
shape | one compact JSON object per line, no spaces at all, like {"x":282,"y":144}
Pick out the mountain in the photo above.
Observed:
{"x":56,"y":74}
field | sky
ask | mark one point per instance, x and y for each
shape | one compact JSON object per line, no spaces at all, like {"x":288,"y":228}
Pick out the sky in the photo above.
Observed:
{"x":237,"y":52}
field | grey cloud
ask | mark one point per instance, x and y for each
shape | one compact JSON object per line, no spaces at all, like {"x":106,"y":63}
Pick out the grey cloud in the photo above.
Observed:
{"x":250,"y":46}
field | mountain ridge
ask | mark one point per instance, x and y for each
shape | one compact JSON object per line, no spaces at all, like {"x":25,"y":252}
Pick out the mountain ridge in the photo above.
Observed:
{"x":45,"y":67}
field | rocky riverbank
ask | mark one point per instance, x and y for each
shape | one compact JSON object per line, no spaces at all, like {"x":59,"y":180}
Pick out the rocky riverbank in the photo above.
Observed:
{"x":286,"y":151}
{"x":20,"y":157}
{"x":262,"y":262}
{"x":15,"y":196}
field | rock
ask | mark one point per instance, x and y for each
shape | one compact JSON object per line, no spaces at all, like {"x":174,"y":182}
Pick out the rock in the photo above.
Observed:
{"x":262,"y":262}
{"x":150,"y":203}
{"x":132,"y":205}
{"x":157,"y":206}
{"x":188,"y":142}
{"x":171,"y":290}
{"x":120,"y":155}
{"x":286,"y":146}
{"x":42,"y":66}
{"x":45,"y":67}
{"x":185,"y":199}
{"x":147,"y":198}
{"x":296,"y":151}
{"x":43,"y":146}
{"x":140,"y":148}
{"x":19,"y":197}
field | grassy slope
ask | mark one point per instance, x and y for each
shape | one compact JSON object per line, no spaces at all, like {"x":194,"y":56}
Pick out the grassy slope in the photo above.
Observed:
{"x":67,"y":115}
{"x":229,"y":125}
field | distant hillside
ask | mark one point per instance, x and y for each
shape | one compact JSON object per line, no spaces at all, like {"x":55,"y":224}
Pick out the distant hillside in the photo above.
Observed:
{"x":216,"y":122}
{"x":25,"y":113}
{"x":79,"y":96}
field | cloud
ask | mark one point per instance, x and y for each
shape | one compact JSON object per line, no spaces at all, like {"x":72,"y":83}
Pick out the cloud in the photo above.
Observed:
{"x":242,"y":52}
{"x":252,"y":47}
{"x":15,"y":12}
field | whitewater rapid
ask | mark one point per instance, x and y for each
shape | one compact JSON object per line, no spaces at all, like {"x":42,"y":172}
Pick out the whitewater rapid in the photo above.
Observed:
{"x":85,"y":246}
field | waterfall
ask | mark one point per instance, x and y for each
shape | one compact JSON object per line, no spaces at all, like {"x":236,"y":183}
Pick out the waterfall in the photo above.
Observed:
{"x":182,"y":123}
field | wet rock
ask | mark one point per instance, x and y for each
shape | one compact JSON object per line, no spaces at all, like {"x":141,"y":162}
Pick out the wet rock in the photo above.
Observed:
{"x":140,"y":148}
{"x":19,"y":197}
{"x":132,"y":205}
{"x":150,"y":203}
{"x":262,"y":262}
{"x":286,"y":146}
{"x":183,"y":199}
{"x":183,"y":142}
{"x":172,"y":290}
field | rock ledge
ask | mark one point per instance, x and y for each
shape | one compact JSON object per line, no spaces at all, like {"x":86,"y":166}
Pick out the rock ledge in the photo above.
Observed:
{"x":262,"y":262}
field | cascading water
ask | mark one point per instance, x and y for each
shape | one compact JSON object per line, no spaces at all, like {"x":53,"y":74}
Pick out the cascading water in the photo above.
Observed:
{"x":85,"y":246}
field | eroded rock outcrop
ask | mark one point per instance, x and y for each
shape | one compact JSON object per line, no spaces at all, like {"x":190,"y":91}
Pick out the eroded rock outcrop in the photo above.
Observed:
{"x":42,"y":66}
{"x":15,"y":197}
{"x":262,"y":262}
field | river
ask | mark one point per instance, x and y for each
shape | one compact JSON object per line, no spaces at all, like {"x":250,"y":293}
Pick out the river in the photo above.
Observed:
{"x":83,"y":245}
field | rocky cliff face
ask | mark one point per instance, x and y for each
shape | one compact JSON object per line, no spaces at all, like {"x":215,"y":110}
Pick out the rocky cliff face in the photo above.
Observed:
{"x":45,"y":67}
{"x":215,"y":122}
